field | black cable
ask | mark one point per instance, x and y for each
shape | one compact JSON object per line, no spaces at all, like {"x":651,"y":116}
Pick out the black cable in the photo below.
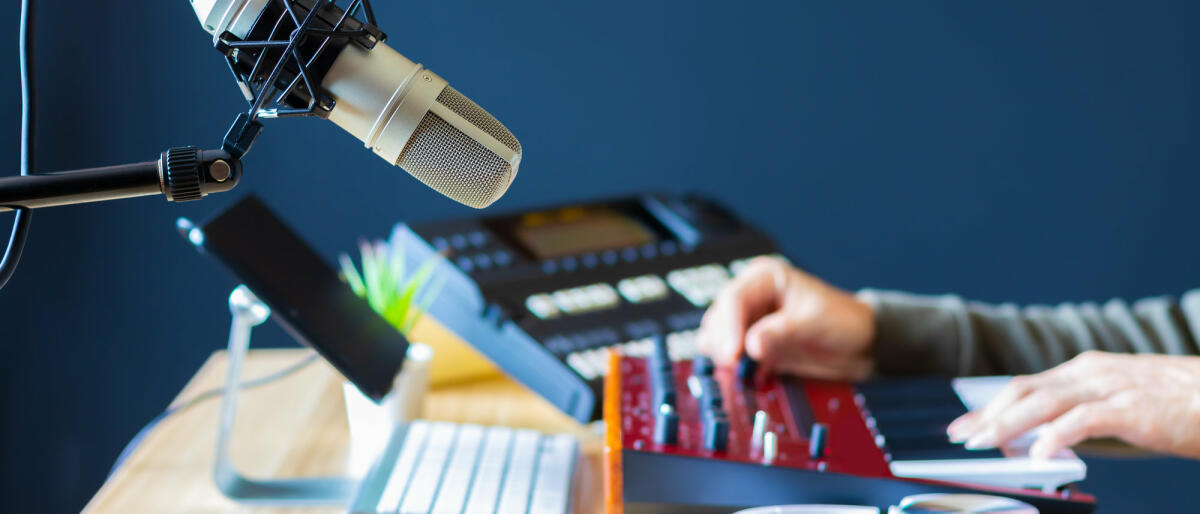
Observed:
{"x":20,"y":230}
{"x":201,"y":398}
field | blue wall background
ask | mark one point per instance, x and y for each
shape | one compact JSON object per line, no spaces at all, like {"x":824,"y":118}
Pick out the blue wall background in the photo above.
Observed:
{"x":1027,"y":151}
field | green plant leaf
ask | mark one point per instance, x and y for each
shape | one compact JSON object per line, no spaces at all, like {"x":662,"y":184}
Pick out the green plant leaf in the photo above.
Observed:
{"x":399,"y":299}
{"x":371,"y":276}
{"x":351,"y":276}
{"x":396,"y":264}
{"x":387,"y":278}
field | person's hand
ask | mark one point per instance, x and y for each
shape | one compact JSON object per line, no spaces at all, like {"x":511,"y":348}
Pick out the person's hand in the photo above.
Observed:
{"x":791,"y":322}
{"x":1151,"y":401}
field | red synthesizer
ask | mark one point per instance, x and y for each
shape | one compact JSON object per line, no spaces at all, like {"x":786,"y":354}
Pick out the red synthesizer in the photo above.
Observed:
{"x":691,"y":437}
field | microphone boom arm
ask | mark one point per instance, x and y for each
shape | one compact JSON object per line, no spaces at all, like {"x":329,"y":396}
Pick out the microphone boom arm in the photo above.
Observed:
{"x":279,"y":71}
{"x":181,"y":174}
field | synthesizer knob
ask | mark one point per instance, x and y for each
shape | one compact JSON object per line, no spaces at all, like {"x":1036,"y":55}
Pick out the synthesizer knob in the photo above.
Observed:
{"x":746,"y":368}
{"x":713,"y":402}
{"x":714,"y":413}
{"x":666,"y":425}
{"x":661,"y":375}
{"x":761,"y":420}
{"x":710,"y":394}
{"x":663,"y":386}
{"x":694,"y":387}
{"x":817,"y":441}
{"x":664,"y":396}
{"x":661,"y":354}
{"x":702,"y":367}
{"x":716,"y":432}
{"x":770,"y":448}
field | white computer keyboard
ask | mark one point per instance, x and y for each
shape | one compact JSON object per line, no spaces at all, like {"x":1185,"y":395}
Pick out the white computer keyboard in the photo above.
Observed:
{"x":442,"y":467}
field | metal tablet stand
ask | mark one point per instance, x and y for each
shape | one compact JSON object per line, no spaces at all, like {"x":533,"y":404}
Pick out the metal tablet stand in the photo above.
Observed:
{"x":248,"y":312}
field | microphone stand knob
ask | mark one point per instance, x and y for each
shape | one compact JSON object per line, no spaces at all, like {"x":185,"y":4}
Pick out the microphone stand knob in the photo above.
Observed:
{"x":179,"y":169}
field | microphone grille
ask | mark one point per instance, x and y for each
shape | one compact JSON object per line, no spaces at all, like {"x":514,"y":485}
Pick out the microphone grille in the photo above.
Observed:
{"x":475,"y":114}
{"x":454,"y":163}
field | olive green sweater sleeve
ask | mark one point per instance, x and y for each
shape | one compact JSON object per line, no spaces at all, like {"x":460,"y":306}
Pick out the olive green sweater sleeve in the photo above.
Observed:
{"x":946,"y":335}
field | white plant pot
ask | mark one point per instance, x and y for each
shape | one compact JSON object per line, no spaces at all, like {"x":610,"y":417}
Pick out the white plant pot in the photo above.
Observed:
{"x":371,"y":424}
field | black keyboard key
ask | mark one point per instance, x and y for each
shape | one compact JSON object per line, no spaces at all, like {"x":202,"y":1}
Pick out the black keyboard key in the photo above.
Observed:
{"x":746,"y":368}
{"x":947,"y":452}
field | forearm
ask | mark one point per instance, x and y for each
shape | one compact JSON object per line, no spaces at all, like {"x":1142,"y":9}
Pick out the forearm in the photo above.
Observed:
{"x":945,"y":335}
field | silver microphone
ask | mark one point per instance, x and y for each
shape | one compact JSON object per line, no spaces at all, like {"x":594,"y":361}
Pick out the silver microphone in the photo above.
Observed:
{"x":403,"y":112}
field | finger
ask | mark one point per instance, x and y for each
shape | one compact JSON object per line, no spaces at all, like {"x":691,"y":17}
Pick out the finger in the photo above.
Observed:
{"x":1046,"y":403}
{"x":782,"y":342}
{"x":963,"y":427}
{"x":769,"y":339}
{"x":1057,"y":390}
{"x":740,"y":303}
{"x":1014,"y":390}
{"x":1092,"y":419}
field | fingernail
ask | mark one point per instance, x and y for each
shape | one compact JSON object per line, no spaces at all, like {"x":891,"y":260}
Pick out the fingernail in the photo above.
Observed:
{"x":982,"y":441}
{"x":960,"y":430}
{"x":1040,"y":450}
{"x":958,"y":435}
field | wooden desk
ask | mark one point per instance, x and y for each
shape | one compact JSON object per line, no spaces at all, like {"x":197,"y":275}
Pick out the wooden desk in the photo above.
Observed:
{"x":297,"y":427}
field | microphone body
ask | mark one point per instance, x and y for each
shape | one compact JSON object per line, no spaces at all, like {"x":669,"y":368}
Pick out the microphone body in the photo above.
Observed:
{"x":406,"y":114}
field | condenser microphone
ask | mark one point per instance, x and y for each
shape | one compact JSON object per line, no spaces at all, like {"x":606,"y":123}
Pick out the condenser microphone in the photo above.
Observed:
{"x":403,"y":112}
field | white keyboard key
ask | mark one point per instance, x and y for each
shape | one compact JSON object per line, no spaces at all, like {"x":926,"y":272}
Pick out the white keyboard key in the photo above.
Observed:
{"x":695,"y":296}
{"x":737,"y":266}
{"x":642,"y":347}
{"x":397,"y":482}
{"x":602,"y":296}
{"x":690,"y":347}
{"x":419,"y":499}
{"x":452,"y":495}
{"x":542,"y":306}
{"x":682,"y":345}
{"x":566,"y":301}
{"x":485,"y":488}
{"x":628,"y":349}
{"x":556,"y":465}
{"x":631,"y":290}
{"x":678,"y":278}
{"x":582,"y":366}
{"x":643,"y":289}
{"x":598,"y":360}
{"x":653,"y":288}
{"x":674,"y":346}
{"x":674,"y":352}
{"x":625,"y":349}
{"x":582,"y":298}
{"x":514,"y":498}
{"x":699,"y":284}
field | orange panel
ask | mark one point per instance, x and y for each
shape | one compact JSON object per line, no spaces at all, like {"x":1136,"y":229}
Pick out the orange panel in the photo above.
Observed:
{"x":613,"y":502}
